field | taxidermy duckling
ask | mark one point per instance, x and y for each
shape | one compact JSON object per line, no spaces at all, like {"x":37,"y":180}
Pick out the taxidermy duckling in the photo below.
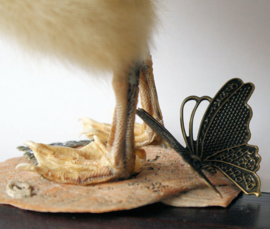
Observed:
{"x":96,"y":35}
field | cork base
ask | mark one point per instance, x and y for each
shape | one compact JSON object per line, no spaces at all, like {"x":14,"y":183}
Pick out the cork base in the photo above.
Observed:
{"x":164,"y":178}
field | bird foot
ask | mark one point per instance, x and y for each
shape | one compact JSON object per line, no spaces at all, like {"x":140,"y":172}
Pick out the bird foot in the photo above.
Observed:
{"x":87,"y":165}
{"x":143,"y":134}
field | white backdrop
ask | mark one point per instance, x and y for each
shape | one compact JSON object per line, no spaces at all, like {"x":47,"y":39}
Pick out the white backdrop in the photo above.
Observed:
{"x":201,"y":45}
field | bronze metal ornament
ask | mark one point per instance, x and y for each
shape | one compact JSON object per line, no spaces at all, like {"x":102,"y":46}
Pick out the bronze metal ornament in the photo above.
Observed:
{"x":222,"y":139}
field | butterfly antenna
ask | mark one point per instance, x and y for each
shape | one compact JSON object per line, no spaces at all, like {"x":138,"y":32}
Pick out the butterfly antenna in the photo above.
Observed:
{"x":170,"y":139}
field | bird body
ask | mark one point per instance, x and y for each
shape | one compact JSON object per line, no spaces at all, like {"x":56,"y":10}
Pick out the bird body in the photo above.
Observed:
{"x":96,"y":35}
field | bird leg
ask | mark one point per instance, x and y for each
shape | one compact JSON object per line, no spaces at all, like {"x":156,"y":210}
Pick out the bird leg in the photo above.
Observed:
{"x":99,"y":161}
{"x":121,"y":139}
{"x":144,"y":135}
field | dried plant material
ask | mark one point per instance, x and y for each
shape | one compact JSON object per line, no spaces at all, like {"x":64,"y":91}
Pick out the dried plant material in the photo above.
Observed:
{"x":164,"y":176}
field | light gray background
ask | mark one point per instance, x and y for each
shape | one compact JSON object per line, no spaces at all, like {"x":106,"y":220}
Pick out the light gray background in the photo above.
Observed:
{"x":201,"y":45}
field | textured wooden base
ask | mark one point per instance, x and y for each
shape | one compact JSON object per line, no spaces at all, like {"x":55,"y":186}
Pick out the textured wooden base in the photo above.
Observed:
{"x":165,"y":177}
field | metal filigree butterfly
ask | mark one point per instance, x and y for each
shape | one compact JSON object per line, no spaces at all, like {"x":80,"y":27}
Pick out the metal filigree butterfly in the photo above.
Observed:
{"x":222,"y":139}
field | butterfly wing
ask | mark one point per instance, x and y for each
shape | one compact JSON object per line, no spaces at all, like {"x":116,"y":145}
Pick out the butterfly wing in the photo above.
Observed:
{"x":239,"y":164}
{"x":224,"y":133}
{"x":189,"y":140}
{"x":225,"y":123}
